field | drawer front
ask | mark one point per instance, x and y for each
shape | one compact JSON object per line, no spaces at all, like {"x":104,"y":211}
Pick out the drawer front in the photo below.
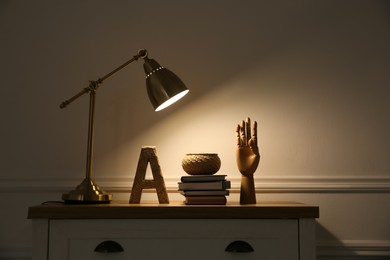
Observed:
{"x":189,"y":249}
{"x":173,"y":239}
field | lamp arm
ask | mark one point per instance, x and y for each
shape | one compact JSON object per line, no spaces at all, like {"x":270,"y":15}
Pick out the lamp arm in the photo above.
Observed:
{"x":95,"y":84}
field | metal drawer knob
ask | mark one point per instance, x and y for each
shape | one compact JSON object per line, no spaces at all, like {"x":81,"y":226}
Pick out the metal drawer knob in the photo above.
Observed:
{"x":239,"y":246}
{"x":109,"y":246}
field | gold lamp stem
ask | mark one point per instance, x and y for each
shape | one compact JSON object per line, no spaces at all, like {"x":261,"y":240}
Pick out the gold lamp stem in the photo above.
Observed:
{"x":91,"y":134}
{"x":88,"y":191}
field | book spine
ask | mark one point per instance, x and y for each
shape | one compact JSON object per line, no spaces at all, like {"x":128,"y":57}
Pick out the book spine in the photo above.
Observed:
{"x":203,"y":178}
{"x":208,"y":200}
{"x":218,"y":185}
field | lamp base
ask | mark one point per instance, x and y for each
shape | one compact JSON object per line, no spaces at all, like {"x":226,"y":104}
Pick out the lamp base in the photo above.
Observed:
{"x":88,"y":193}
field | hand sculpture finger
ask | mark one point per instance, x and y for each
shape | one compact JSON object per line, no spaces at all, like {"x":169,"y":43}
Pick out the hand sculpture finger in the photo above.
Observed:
{"x":255,"y":132}
{"x":253,"y":139}
{"x":244,"y":140}
{"x":238,"y":139}
{"x":248,"y":129}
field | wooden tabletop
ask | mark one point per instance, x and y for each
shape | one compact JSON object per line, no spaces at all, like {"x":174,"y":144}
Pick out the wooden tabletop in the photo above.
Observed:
{"x":173,"y":210}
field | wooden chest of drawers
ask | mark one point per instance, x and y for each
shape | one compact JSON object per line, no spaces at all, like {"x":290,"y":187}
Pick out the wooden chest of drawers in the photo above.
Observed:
{"x":174,"y":231}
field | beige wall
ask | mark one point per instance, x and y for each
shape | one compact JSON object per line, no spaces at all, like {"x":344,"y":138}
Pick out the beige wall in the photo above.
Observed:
{"x":315,"y":75}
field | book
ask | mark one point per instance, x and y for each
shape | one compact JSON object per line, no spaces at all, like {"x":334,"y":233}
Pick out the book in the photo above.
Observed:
{"x":205,"y":200}
{"x":204,"y":192}
{"x":213,"y":185}
{"x":202,"y":178}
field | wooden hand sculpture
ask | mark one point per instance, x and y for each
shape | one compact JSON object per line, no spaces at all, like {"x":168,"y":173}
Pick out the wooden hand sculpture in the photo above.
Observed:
{"x":248,"y":158}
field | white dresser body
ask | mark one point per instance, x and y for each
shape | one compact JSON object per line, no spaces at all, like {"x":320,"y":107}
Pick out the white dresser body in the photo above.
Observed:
{"x":174,"y":238}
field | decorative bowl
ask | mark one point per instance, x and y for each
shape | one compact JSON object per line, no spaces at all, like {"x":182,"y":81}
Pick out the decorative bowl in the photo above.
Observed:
{"x":201,"y":163}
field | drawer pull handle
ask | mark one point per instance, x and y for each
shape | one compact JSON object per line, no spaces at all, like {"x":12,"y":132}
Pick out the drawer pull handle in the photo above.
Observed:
{"x":239,"y":246}
{"x":109,"y":246}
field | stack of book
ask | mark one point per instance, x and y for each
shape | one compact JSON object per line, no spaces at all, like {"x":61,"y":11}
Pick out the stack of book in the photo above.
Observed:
{"x":204,"y":189}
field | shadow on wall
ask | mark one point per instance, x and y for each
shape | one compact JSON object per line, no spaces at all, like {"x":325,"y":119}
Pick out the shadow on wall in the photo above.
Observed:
{"x":331,"y":248}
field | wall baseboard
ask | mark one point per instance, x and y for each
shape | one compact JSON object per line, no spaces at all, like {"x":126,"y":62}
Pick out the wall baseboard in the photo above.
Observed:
{"x":373,"y":184}
{"x":348,"y":248}
{"x":15,"y":253}
{"x":325,"y":249}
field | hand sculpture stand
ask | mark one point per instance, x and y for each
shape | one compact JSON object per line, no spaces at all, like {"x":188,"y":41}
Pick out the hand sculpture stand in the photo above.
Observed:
{"x":248,"y":158}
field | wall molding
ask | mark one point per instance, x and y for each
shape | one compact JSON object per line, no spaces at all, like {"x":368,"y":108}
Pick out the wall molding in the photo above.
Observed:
{"x":372,"y":184}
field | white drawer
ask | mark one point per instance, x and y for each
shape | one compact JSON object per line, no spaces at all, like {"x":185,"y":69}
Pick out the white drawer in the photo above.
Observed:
{"x":174,"y":239}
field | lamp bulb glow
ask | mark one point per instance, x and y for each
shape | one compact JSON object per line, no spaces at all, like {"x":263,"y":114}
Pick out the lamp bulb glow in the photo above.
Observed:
{"x":171,"y":100}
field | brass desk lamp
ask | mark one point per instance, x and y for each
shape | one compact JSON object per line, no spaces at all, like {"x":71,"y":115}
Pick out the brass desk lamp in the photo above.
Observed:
{"x":163,"y":87}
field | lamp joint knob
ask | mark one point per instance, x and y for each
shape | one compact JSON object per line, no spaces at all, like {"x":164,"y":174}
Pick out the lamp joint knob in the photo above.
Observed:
{"x":142,"y":53}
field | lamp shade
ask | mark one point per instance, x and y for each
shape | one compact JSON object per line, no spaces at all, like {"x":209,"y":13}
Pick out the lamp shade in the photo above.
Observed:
{"x":163,"y":86}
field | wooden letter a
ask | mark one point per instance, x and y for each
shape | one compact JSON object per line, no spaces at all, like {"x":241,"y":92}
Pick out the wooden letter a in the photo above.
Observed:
{"x":148,"y":155}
